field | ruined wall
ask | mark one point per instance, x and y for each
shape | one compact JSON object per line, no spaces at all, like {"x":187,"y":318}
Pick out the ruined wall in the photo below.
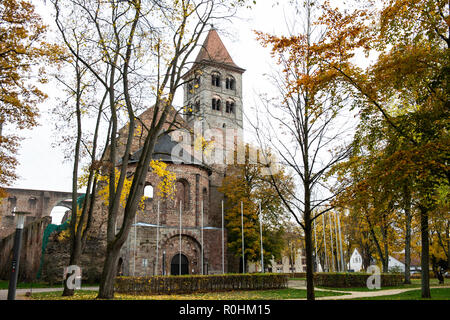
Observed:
{"x":57,"y":256}
{"x":38,"y":202}
{"x":30,"y":252}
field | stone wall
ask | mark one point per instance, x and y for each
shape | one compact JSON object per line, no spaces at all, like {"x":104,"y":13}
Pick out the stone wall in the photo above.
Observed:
{"x":30,"y":250}
{"x":38,"y":202}
{"x":57,"y":256}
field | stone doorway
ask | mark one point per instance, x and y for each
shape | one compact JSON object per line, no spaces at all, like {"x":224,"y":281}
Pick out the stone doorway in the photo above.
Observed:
{"x":175,"y":265}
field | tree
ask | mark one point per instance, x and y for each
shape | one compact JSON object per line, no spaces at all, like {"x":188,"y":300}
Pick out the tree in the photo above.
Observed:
{"x":304,"y":116}
{"x":246,"y":183}
{"x":22,"y":47}
{"x":407,"y":85}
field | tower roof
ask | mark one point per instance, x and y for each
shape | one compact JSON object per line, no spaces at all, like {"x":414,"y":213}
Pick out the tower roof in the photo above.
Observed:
{"x":213,"y":51}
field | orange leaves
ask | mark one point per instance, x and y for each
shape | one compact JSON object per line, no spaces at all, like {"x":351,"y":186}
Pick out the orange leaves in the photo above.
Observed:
{"x":21,"y":48}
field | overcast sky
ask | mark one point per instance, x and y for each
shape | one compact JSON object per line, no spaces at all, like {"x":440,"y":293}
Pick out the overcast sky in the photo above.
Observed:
{"x":42,"y":166}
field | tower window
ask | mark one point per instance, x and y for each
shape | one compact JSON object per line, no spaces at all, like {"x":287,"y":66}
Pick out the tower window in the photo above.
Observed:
{"x":230,"y":83}
{"x":215,"y":80}
{"x":229,"y":107}
{"x":197,"y":106}
{"x":215,"y":104}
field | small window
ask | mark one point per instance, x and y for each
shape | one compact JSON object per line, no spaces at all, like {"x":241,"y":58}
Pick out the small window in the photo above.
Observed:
{"x":230,"y":83}
{"x":229,"y":107}
{"x":148,"y":191}
{"x":215,"y":80}
{"x":197,"y":106}
{"x":215,"y":103}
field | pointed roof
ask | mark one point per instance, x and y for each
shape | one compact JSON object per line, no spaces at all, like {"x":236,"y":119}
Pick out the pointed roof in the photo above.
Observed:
{"x":213,"y":51}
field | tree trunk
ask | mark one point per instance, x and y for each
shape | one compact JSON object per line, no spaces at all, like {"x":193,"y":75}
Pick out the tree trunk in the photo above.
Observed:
{"x":106,"y":290}
{"x":407,"y":208}
{"x":309,"y":259}
{"x":425,"y":256}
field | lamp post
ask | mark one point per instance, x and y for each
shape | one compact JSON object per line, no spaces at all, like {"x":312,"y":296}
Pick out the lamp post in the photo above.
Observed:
{"x":16,"y":254}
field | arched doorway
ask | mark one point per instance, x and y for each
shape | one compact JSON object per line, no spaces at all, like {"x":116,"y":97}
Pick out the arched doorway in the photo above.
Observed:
{"x":175,"y":265}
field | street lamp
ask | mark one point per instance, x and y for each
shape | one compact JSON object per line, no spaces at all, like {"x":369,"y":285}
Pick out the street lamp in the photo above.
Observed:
{"x":164,"y":263}
{"x":16,"y":255}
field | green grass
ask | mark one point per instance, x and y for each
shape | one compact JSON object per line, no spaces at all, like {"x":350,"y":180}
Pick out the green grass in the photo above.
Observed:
{"x":26,"y":285}
{"x":415,"y":283}
{"x":281,"y":294}
{"x":436,"y":294}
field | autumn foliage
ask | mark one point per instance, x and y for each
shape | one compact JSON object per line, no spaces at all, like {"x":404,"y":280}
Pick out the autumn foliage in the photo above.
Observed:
{"x":24,"y":52}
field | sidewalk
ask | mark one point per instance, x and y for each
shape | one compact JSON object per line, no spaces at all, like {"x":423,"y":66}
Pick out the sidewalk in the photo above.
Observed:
{"x":298,"y":284}
{"x":20,"y":293}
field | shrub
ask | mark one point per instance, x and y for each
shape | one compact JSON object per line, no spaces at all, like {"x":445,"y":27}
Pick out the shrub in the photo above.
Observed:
{"x":354,"y":279}
{"x":198,"y":283}
{"x":296,"y":274}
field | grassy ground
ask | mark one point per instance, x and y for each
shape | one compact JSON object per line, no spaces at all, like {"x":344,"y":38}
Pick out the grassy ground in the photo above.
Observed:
{"x":280,"y":294}
{"x":26,"y":285}
{"x":415,"y":283}
{"x":436,"y":294}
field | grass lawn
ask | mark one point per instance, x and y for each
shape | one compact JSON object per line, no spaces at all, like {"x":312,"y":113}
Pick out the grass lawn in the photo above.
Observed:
{"x":280,"y":294}
{"x":26,"y":285}
{"x":415,"y":283}
{"x":436,"y":294}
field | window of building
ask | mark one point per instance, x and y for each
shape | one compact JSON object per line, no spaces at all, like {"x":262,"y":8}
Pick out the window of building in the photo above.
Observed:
{"x":215,"y":104}
{"x":230,"y":83}
{"x":148,"y":191}
{"x":197,"y":106}
{"x":32,"y":203}
{"x":12,"y":201}
{"x":182,"y":194}
{"x":229,"y":107}
{"x":215,"y":79}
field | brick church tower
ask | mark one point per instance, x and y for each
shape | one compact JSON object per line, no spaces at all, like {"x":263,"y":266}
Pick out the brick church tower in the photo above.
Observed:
{"x":167,"y":238}
{"x":213,"y":100}
{"x":213,"y":97}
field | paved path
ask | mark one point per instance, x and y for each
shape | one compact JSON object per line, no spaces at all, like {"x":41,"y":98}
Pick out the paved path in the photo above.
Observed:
{"x":300,"y":284}
{"x":20,"y":293}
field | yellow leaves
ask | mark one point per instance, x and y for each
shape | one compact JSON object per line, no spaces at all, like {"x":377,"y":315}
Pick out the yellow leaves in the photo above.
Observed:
{"x":166,"y":184}
{"x":201,"y":144}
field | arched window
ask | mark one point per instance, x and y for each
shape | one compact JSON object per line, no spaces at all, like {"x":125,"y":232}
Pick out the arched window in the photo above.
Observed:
{"x":148,"y":192}
{"x":230,"y":83}
{"x":215,"y":79}
{"x":182,"y":194}
{"x":229,"y":108}
{"x":215,"y":104}
{"x":197,"y":106}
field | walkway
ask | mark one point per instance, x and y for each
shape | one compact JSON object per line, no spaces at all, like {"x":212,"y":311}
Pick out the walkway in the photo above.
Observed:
{"x":20,"y":293}
{"x":300,"y":284}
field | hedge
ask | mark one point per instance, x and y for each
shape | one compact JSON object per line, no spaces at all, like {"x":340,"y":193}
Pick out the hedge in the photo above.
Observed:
{"x":198,"y":283}
{"x":296,"y":274}
{"x":354,"y":279}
